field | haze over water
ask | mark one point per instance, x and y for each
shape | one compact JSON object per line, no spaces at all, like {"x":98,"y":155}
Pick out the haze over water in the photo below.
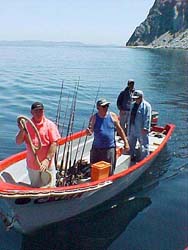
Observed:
{"x":157,"y":218}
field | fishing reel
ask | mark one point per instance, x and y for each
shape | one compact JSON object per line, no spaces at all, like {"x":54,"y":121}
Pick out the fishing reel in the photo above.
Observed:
{"x":83,"y":169}
{"x":78,"y":171}
{"x":59,"y":179}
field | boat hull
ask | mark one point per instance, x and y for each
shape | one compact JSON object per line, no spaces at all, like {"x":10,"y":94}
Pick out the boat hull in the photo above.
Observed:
{"x":27,"y":210}
{"x":31,"y":214}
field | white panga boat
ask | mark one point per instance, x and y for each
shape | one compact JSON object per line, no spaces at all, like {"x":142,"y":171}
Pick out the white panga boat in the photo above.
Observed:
{"x":27,"y":209}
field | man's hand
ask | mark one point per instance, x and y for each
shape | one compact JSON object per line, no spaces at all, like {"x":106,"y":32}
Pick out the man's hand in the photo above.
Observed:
{"x":44,"y":165}
{"x":122,"y":112}
{"x":144,"y":131}
{"x":126,"y":147}
{"x":89,"y":131}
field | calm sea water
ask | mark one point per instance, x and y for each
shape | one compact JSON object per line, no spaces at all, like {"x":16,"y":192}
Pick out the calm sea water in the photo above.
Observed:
{"x":153,"y":213}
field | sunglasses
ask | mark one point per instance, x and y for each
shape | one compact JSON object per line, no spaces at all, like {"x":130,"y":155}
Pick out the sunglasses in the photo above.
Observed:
{"x":105,"y":106}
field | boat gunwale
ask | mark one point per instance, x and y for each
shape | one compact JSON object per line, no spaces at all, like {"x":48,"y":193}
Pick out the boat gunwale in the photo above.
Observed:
{"x":20,"y":190}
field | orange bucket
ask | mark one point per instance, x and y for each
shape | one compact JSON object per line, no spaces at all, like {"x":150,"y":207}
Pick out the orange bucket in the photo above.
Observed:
{"x":100,"y":170}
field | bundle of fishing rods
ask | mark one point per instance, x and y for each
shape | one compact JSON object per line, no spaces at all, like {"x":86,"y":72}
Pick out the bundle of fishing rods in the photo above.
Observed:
{"x":70,"y":168}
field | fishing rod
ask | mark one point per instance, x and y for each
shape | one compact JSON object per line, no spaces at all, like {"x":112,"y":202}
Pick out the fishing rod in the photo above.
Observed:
{"x":65,"y":114}
{"x":89,"y":125}
{"x":62,"y":128}
{"x":73,"y":169}
{"x":70,"y":125}
{"x":57,"y":121}
{"x":65,"y":144}
{"x":69,"y":151}
{"x":58,"y":114}
{"x":76,"y":154}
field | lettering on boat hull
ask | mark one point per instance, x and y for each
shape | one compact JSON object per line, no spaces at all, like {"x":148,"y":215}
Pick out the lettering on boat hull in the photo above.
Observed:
{"x":55,"y":198}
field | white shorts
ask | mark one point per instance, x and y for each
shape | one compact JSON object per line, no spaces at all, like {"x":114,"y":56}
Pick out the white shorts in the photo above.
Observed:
{"x":41,"y":179}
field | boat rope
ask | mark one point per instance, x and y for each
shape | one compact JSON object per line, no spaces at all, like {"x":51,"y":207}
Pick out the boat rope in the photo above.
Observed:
{"x":22,"y":120}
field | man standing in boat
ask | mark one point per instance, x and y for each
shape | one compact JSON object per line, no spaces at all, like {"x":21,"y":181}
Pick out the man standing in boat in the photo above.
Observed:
{"x":124,"y":104}
{"x":139,"y":125}
{"x":42,"y":159}
{"x":103,"y":125}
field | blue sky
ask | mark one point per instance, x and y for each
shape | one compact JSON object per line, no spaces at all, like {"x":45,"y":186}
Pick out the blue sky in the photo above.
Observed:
{"x":87,"y":21}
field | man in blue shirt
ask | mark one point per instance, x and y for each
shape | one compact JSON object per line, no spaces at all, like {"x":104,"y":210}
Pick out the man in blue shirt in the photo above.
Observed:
{"x":103,"y":125}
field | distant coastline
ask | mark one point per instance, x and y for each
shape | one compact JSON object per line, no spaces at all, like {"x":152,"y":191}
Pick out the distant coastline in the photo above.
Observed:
{"x":51,"y":43}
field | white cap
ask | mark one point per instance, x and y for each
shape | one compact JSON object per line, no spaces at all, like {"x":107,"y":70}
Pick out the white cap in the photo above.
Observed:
{"x":137,"y":94}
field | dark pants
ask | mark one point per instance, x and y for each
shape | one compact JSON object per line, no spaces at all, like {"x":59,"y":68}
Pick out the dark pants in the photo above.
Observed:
{"x":104,"y":154}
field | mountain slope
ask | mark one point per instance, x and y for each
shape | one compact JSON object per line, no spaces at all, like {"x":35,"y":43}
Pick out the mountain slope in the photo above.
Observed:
{"x":165,"y":26}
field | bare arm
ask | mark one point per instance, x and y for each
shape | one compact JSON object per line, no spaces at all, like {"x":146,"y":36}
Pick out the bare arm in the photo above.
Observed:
{"x":120,"y":131}
{"x":90,"y":128}
{"x":52,"y":150}
{"x":47,"y":161}
{"x":20,"y":135}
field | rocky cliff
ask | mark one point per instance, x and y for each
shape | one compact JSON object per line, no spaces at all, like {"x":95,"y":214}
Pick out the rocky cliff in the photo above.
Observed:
{"x":165,"y":26}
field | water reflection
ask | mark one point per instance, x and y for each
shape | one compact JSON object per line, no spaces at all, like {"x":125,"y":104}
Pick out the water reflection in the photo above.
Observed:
{"x":96,"y":230}
{"x":153,"y":175}
{"x":99,"y":227}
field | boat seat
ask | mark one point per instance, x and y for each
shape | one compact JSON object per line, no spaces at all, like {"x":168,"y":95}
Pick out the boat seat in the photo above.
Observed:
{"x":7,"y":177}
{"x":123,"y":162}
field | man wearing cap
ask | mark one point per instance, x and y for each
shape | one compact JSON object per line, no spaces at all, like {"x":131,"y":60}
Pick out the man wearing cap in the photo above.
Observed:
{"x":49,"y":135}
{"x":139,"y":125}
{"x":103,"y":125}
{"x":124,"y":103}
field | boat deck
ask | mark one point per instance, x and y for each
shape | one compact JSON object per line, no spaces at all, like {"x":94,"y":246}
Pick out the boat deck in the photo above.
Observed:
{"x":17,"y":173}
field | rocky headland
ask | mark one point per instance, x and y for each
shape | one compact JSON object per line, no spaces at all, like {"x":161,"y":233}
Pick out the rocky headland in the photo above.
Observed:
{"x":166,"y":26}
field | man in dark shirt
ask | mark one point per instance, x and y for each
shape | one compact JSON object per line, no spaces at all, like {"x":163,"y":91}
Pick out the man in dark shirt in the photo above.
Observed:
{"x":124,"y":103}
